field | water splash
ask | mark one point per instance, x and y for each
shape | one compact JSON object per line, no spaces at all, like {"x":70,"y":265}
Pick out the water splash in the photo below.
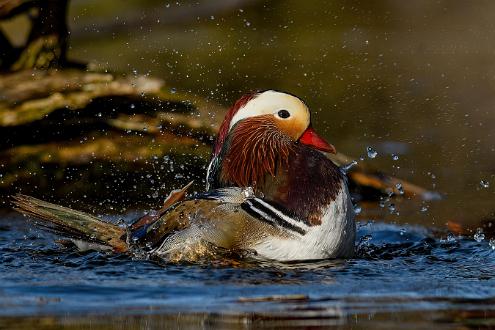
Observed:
{"x":346,"y":168}
{"x":450,"y":239}
{"x":372,"y":153}
{"x":479,"y":236}
{"x":248,"y":192}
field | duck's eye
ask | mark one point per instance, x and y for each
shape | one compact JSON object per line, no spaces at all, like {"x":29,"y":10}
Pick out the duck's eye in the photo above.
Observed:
{"x":283,"y":114}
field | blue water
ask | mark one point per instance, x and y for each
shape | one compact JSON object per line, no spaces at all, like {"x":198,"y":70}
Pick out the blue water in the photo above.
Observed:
{"x":397,"y":269}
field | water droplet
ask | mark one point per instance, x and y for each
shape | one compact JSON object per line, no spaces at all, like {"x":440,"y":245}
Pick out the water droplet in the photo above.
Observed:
{"x":391,"y":208}
{"x":99,"y":114}
{"x":402,"y":231}
{"x":479,"y":235}
{"x":400,"y":189}
{"x":357,"y":209}
{"x":484,"y":184}
{"x":173,"y":90}
{"x":395,"y":157}
{"x":372,"y":153}
{"x":424,"y":208}
{"x":492,"y":243}
{"x":121,"y":223}
{"x":451,"y":238}
{"x":248,"y":192}
{"x":346,"y":168}
{"x":365,"y":240}
{"x":155,"y":194}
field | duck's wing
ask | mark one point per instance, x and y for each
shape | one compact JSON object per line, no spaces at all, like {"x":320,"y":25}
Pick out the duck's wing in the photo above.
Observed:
{"x":229,"y":218}
{"x":211,"y":206}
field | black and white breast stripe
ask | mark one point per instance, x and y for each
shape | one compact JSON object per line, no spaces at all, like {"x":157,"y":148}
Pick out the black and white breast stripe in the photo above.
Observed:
{"x":266,"y":212}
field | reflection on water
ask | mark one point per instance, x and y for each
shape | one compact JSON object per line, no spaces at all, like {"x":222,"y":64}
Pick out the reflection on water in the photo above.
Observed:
{"x":398,"y":268}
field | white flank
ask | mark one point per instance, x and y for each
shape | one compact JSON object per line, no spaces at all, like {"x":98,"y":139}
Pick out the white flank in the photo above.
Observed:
{"x":334,"y":238}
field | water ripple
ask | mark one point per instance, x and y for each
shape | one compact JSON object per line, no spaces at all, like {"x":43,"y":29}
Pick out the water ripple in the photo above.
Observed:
{"x":406,"y":268}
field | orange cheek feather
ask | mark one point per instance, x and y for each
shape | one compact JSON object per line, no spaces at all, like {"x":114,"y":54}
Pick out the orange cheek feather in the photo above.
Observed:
{"x":292,"y":128}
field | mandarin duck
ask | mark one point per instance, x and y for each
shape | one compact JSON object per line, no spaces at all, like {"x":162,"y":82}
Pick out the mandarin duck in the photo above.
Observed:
{"x":270,"y":190}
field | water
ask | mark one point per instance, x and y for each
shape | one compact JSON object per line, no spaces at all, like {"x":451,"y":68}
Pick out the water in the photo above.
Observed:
{"x":407,"y":273}
{"x":479,"y":236}
{"x":372,"y":153}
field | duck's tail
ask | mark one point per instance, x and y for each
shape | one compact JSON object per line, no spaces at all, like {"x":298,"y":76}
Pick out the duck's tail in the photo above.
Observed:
{"x":79,"y":226}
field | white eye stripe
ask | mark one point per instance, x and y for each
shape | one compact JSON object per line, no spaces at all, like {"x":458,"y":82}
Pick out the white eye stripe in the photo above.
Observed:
{"x":270,"y":103}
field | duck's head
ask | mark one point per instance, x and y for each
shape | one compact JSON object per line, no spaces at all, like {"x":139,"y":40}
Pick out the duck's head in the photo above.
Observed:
{"x":282,"y":111}
{"x":257,"y":135}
